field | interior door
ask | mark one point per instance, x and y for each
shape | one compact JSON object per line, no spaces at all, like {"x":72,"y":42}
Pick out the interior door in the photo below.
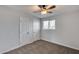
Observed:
{"x":36,"y":29}
{"x":25,"y":30}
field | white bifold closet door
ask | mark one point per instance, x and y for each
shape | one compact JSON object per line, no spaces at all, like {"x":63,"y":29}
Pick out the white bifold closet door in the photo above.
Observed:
{"x":26,"y":30}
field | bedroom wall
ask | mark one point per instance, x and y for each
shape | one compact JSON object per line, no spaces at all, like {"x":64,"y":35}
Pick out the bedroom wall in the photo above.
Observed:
{"x":66,"y":32}
{"x":10,"y":28}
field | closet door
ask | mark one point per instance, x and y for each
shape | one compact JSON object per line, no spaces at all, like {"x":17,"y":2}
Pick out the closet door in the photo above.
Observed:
{"x":25,"y":30}
{"x":36,"y":29}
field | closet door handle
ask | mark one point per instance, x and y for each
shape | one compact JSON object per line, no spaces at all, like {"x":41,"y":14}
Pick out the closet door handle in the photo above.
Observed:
{"x":28,"y":33}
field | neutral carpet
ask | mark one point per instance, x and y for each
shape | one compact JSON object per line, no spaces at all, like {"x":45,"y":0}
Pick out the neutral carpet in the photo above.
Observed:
{"x":43,"y":47}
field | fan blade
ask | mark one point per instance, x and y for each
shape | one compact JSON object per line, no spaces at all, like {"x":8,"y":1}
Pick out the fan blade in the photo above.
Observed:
{"x":42,"y":6}
{"x":49,"y":12}
{"x":51,"y":7}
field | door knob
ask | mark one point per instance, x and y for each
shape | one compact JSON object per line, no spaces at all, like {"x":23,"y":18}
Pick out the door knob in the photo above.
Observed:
{"x":27,"y":32}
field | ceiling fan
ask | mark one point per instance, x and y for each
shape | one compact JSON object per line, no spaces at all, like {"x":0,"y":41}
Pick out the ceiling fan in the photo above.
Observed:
{"x":44,"y":9}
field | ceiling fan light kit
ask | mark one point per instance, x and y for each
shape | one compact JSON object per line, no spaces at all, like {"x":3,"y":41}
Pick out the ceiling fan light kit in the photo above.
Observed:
{"x":44,"y":12}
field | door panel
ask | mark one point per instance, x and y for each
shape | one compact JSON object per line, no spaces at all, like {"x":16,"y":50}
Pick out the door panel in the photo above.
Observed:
{"x":36,"y":29}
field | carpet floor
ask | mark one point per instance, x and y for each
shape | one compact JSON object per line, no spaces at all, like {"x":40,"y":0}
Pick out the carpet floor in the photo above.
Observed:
{"x":43,"y":47}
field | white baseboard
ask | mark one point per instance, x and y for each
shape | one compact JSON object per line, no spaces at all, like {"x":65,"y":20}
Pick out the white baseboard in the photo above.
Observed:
{"x":61,"y":44}
{"x":15,"y":47}
{"x":39,"y":39}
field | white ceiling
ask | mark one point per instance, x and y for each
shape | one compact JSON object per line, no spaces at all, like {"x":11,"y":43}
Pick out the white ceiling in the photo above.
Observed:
{"x":31,"y":8}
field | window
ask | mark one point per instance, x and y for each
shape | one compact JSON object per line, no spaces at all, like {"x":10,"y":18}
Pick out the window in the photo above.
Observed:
{"x":45,"y":24}
{"x":50,"y":24}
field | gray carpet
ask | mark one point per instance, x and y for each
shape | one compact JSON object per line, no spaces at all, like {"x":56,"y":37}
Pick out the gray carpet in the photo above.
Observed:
{"x":43,"y":47}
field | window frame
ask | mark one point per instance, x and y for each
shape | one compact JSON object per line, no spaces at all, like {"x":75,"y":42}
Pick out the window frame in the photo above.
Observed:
{"x":48,"y":27}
